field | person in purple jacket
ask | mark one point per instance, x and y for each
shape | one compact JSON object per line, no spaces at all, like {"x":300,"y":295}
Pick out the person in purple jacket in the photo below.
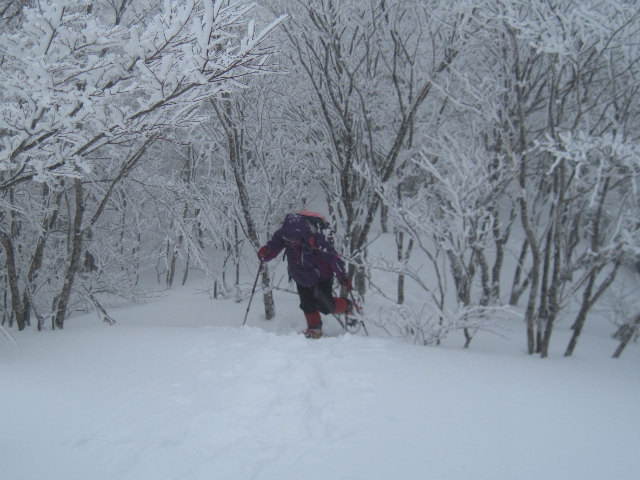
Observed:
{"x":312,"y":262}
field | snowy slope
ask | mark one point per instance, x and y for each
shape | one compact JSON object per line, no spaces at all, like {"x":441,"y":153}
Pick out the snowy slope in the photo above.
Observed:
{"x":177,"y":389}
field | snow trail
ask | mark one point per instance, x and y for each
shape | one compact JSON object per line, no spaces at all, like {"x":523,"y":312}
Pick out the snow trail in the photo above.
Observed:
{"x":174,"y":397}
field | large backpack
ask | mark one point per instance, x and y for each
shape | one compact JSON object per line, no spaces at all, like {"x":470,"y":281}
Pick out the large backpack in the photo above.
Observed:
{"x":316,"y":221}
{"x":309,"y":250}
{"x":305,"y":226}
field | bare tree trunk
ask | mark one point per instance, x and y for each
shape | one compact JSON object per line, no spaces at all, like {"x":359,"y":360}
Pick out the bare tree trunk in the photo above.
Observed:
{"x":629,"y":332}
{"x":553,"y":293}
{"x":170,"y":254}
{"x":12,"y":278}
{"x":543,"y":307}
{"x":384,"y":218}
{"x":520,"y":178}
{"x":518,"y":288}
{"x":234,"y":139}
{"x":463,"y":279}
{"x":589,"y":297}
{"x":185,"y":274}
{"x":6,"y":316}
{"x":48,"y":223}
{"x":535,"y":269}
{"x":500,"y":242}
{"x":267,"y":295}
{"x":501,"y":232}
{"x":581,"y":317}
{"x":481,"y":261}
{"x":74,"y":258}
{"x":236,"y":255}
{"x":403,"y":256}
{"x":467,"y":338}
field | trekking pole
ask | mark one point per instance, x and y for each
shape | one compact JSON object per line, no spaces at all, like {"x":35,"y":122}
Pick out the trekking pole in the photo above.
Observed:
{"x":252,"y":292}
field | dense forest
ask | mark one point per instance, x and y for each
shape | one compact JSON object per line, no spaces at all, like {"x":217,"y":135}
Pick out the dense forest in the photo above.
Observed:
{"x":496,"y":140}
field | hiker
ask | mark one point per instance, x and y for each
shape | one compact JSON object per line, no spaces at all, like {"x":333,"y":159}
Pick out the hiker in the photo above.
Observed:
{"x":312,"y":262}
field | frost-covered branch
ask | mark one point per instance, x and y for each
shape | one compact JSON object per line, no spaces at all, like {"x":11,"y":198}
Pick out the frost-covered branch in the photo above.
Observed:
{"x":72,"y":83}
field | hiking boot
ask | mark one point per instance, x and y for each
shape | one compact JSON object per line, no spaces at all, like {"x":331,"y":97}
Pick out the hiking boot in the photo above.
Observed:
{"x":313,"y":333}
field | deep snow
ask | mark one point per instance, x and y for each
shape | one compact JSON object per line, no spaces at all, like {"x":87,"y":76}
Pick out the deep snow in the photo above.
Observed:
{"x":178,"y":389}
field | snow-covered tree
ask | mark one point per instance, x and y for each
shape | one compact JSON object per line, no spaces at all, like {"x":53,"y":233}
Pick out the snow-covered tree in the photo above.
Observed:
{"x":540,"y":113}
{"x":579,"y":152}
{"x":269,"y":171}
{"x":79,"y":84}
{"x":455,"y":208}
{"x":366,"y":69}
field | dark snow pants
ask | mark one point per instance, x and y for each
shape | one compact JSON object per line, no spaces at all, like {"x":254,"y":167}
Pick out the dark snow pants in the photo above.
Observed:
{"x":319,"y":297}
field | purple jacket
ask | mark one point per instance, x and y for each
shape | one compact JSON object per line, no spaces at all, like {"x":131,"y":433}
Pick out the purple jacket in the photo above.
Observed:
{"x":311,"y":257}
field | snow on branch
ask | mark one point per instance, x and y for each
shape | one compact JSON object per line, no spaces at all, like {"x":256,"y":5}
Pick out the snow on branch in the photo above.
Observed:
{"x":72,"y":82}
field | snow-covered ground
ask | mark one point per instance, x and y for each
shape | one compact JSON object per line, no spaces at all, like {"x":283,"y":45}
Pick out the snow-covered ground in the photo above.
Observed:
{"x":178,"y":389}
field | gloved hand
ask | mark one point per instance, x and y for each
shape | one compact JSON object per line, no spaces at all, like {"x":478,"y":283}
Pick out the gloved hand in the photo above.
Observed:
{"x":346,"y":282}
{"x":263,"y":253}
